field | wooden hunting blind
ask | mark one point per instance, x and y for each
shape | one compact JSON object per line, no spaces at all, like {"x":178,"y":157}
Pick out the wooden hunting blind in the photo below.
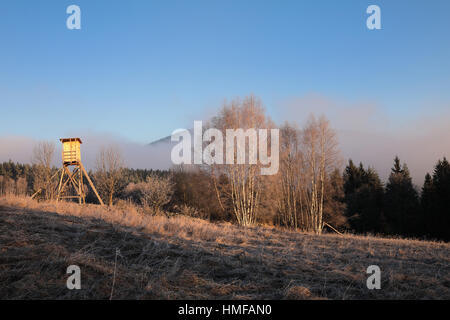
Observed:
{"x":71,"y":150}
{"x":70,"y":184}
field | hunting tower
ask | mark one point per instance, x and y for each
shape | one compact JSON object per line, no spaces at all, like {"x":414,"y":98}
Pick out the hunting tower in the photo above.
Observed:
{"x":71,"y":174}
{"x":74,"y":170}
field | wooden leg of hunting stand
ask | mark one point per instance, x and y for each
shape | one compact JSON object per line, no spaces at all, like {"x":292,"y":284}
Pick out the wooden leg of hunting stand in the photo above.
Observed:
{"x":80,"y":187}
{"x":72,"y":176}
{"x":64,"y":170}
{"x":40,"y":189}
{"x":91,"y":184}
{"x":60,"y":184}
{"x":36,"y":193}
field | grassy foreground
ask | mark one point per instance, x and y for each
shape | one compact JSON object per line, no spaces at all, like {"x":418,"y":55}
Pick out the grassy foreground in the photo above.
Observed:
{"x":186,"y":258}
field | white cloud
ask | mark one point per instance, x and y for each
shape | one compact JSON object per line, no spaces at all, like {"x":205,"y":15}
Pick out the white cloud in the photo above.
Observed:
{"x":367,"y":134}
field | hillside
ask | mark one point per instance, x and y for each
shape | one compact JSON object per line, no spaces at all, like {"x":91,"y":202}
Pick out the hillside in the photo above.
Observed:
{"x":185,"y":258}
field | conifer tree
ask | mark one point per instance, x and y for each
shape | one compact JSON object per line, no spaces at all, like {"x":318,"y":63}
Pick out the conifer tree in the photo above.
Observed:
{"x":426,"y":204}
{"x":334,"y":206}
{"x":439,"y":214}
{"x":363,"y":198}
{"x":401,"y":203}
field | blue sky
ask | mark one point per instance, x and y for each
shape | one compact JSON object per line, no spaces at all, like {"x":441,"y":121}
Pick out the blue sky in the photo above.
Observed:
{"x":140,"y":69}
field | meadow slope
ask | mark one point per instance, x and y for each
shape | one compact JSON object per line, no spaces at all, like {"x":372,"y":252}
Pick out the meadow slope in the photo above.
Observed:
{"x":186,"y":258}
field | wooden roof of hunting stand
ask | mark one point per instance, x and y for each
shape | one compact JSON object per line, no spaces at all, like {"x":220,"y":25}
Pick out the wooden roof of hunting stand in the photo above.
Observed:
{"x":71,"y":152}
{"x":70,"y":139}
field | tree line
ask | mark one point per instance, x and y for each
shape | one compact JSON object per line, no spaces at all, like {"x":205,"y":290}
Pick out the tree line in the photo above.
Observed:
{"x":398,"y":208}
{"x":310,"y":192}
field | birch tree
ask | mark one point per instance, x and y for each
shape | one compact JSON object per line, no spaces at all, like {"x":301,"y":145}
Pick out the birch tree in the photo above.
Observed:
{"x":290,"y":179}
{"x":320,"y":151}
{"x":243,"y":189}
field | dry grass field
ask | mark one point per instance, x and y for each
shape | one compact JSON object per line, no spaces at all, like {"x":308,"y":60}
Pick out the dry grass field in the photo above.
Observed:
{"x":185,"y":258}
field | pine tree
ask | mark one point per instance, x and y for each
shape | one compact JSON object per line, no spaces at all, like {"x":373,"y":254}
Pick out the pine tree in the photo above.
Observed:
{"x":401,"y":201}
{"x":352,"y":177}
{"x":426,"y":203}
{"x":363,"y":198}
{"x":397,"y":169}
{"x":334,"y":206}
{"x":440,"y":208}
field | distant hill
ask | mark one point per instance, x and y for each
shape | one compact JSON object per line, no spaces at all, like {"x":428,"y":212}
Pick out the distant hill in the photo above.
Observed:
{"x":166,"y":140}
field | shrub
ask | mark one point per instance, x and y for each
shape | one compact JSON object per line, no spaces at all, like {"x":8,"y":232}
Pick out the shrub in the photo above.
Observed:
{"x":155,"y":192}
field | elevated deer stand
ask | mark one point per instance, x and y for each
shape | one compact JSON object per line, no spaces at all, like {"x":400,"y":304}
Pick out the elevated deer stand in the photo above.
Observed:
{"x":71,"y":174}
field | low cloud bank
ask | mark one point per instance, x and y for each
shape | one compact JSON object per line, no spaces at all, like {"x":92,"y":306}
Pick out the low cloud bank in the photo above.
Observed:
{"x":20,"y":149}
{"x":367,"y":134}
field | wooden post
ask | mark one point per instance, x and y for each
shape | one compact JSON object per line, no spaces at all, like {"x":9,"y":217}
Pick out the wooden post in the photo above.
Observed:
{"x":91,"y":184}
{"x":332,"y":228}
{"x":81,"y":186}
{"x":40,"y":189}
